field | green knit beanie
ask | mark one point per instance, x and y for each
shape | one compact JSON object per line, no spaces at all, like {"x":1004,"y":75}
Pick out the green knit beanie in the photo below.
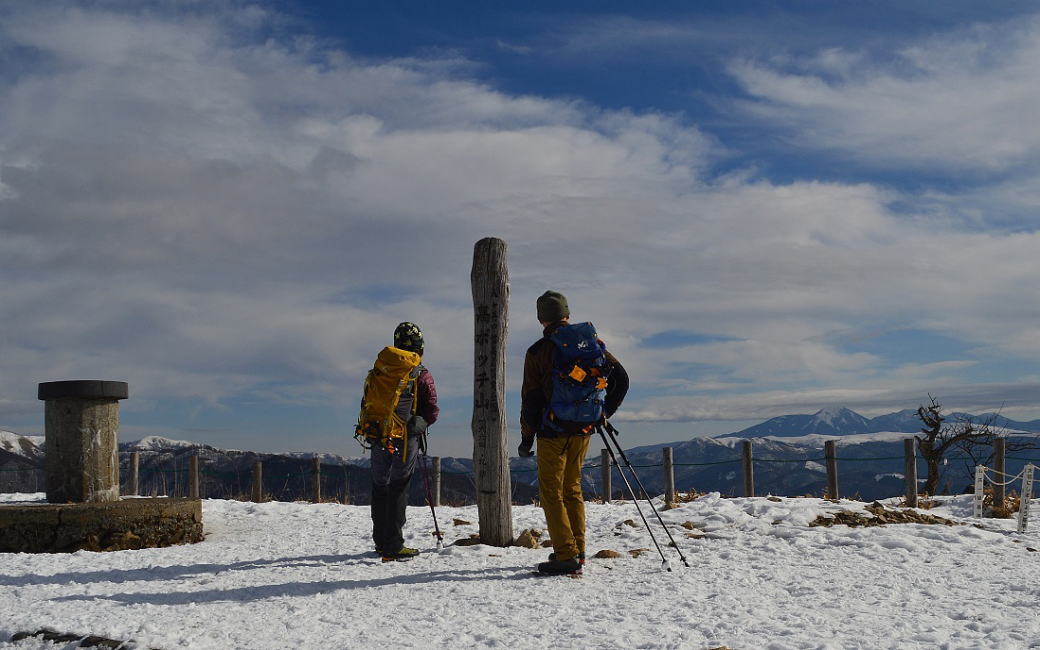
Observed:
{"x":552,"y":307}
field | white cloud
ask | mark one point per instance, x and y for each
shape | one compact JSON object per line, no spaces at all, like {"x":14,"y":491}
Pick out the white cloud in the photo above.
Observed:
{"x":960,"y":101}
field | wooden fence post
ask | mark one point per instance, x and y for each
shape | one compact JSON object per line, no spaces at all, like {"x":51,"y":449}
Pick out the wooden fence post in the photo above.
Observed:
{"x":435,"y":481}
{"x":605,"y":473}
{"x":489,"y":279}
{"x":669,"y":477}
{"x":1025,"y":497}
{"x":258,"y":482}
{"x":193,"y":476}
{"x":316,"y":480}
{"x":133,"y":483}
{"x":910,"y":471}
{"x":999,"y":490}
{"x":980,"y":486}
{"x":749,"y":470}
{"x":346,"y":486}
{"x":832,"y":469}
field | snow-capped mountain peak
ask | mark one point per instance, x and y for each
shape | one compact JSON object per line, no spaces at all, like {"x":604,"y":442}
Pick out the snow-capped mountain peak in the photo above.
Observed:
{"x":830,"y":414}
{"x":26,"y":446}
{"x":827,"y":421}
{"x":158,"y":443}
{"x":840,"y":419}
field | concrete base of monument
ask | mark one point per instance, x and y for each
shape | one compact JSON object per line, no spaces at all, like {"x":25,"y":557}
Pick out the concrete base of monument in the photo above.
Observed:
{"x":129,"y":523}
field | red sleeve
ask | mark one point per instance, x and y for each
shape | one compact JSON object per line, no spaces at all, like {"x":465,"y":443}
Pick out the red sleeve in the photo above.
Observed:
{"x":427,"y":393}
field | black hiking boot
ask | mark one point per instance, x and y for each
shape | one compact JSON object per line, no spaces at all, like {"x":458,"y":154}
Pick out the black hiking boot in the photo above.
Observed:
{"x":581,"y":558}
{"x":560,"y":567}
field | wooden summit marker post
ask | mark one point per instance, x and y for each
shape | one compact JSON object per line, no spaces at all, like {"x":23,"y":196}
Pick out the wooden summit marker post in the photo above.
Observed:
{"x":490,"y":281}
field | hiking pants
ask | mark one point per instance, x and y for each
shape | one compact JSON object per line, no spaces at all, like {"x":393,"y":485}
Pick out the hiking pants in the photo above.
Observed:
{"x":391,"y":477}
{"x":559,"y":488}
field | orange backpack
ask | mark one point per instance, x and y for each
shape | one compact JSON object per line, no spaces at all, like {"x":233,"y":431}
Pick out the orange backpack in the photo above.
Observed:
{"x":378,"y":422}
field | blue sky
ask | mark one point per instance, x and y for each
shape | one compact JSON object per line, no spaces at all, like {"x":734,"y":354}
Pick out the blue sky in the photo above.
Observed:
{"x":765,"y":207}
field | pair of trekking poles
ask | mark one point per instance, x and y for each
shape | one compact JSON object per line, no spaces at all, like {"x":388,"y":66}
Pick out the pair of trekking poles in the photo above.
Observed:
{"x":606,"y":430}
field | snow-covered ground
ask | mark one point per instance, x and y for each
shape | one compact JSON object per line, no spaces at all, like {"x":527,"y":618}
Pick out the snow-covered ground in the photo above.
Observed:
{"x":295,"y":575}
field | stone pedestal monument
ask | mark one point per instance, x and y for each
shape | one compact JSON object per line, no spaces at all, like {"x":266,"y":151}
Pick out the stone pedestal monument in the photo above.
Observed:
{"x":81,"y":421}
{"x":84,"y":511}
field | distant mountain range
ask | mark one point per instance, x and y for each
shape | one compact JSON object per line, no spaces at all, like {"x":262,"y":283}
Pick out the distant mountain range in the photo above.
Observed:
{"x":846,"y":422}
{"x":788,"y":453}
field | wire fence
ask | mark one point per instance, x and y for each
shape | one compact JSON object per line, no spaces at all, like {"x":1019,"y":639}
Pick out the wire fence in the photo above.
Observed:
{"x":293,"y":480}
{"x":588,"y":466}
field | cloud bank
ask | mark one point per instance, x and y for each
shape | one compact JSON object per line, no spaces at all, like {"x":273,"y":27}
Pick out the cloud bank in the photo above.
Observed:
{"x":199,"y":201}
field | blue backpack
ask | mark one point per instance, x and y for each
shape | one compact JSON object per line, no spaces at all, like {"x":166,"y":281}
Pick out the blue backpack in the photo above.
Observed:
{"x":579,"y":379}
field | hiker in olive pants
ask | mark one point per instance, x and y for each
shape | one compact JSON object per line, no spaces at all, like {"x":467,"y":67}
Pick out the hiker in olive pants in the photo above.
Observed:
{"x":561,"y":444}
{"x":559,"y":491}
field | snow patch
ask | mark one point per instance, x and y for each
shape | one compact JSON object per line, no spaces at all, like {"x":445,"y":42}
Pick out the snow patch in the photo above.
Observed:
{"x":895,"y":475}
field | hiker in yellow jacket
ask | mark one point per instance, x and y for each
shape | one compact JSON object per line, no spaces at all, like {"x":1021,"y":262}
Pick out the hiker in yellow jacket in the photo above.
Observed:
{"x":400,"y":402}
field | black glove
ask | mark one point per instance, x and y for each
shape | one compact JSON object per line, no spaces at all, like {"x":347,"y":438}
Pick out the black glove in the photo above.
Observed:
{"x":525,"y":447}
{"x":417,"y":426}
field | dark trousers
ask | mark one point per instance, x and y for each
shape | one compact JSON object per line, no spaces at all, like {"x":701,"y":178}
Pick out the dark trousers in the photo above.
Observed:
{"x":391,"y":477}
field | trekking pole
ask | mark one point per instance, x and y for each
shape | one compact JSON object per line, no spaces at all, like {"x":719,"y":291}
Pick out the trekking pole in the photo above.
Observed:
{"x":429,"y":500}
{"x":611,"y":431}
{"x":664,"y":560}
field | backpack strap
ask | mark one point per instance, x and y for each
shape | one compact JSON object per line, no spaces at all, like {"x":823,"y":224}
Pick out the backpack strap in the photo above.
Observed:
{"x":411,"y":391}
